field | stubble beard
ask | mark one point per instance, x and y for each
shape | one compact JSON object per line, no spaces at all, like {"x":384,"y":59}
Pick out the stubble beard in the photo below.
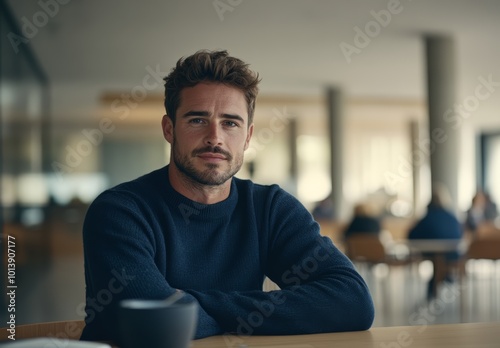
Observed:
{"x":210,"y":176}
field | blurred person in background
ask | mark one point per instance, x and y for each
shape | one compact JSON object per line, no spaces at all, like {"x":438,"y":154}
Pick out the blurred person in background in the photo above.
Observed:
{"x":324,"y":210}
{"x":438,"y":223}
{"x":482,"y":212}
{"x":364,"y":221}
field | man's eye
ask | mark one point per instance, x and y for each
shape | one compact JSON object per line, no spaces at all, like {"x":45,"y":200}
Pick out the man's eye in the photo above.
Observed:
{"x":230,"y":124}
{"x":196,"y":120}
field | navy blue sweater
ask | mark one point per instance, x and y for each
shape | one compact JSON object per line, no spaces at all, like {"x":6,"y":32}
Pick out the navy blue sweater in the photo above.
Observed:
{"x":142,"y":239}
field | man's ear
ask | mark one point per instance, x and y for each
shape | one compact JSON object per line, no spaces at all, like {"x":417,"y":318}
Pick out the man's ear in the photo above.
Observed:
{"x":249,"y":136}
{"x":168,"y":128}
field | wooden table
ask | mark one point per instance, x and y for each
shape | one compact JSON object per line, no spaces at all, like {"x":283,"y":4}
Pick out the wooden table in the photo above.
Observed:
{"x":473,"y":335}
{"x":437,"y":249}
{"x":437,"y":245}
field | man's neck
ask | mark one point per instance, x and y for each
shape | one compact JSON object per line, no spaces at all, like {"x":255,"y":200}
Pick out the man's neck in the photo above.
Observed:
{"x":204,"y":194}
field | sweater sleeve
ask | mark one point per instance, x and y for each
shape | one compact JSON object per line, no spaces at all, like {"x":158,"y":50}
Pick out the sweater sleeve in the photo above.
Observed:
{"x":120,"y":251}
{"x":320,"y":288}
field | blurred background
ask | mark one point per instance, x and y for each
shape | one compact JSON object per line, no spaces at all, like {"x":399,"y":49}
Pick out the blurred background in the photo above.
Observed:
{"x":356,"y":97}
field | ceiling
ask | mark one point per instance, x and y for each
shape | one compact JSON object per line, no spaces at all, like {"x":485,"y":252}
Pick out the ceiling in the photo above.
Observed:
{"x":92,"y":47}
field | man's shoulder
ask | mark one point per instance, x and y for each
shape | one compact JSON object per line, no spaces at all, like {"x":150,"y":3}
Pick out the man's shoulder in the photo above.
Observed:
{"x":143,"y":186}
{"x":151,"y":179}
{"x":260,"y":193}
{"x":249,"y":186}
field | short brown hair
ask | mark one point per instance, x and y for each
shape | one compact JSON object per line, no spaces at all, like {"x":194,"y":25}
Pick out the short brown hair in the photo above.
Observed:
{"x":213,"y":66}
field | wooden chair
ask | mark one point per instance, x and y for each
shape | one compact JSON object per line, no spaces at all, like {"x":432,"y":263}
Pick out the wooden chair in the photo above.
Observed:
{"x":366,"y":251}
{"x":371,"y":249}
{"x":487,"y":249}
{"x":482,"y":249}
{"x":365,"y":248}
{"x":70,"y":329}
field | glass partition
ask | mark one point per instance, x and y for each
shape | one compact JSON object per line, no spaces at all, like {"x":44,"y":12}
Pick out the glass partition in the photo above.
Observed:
{"x":24,"y":115}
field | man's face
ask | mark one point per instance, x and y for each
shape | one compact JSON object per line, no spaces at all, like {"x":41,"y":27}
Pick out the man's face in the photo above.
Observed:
{"x":211,"y":133}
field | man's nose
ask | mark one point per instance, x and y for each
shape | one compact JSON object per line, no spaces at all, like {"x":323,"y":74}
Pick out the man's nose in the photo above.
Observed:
{"x":213,"y":136}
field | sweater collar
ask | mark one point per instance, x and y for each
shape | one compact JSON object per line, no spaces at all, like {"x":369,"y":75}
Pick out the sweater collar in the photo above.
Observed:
{"x":194,"y":210}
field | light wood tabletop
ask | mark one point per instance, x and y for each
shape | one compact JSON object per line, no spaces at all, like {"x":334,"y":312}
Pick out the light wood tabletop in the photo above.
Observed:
{"x":474,"y":335}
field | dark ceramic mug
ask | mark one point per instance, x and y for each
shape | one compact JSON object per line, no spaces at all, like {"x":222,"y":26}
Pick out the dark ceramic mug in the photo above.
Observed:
{"x":157,"y":323}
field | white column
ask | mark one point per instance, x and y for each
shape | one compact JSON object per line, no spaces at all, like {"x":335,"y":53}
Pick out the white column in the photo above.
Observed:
{"x":444,"y":140}
{"x":335,"y":106}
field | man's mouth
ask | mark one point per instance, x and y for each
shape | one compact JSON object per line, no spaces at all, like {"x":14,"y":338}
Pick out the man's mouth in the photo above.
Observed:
{"x":215,"y":154}
{"x":210,"y":156}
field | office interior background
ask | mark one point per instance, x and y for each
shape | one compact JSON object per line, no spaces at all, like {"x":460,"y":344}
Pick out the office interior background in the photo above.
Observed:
{"x":82,"y":100}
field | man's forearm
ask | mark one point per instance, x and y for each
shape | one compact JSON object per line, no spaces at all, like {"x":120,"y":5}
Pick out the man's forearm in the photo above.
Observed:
{"x":326,"y":306}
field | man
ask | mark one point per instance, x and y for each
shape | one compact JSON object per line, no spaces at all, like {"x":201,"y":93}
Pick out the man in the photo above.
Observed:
{"x":439,"y":222}
{"x":192,"y":226}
